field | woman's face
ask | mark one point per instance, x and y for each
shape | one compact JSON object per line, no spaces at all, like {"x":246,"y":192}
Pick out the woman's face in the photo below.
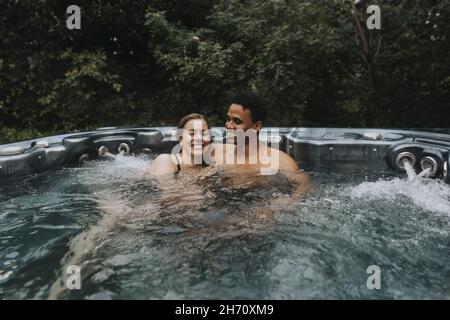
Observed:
{"x":195,"y":136}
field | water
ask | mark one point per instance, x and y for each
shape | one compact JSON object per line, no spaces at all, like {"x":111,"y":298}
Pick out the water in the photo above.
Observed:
{"x":210,"y":237}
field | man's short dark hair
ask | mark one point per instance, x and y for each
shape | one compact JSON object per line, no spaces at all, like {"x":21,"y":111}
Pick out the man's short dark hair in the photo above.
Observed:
{"x":251,"y":102}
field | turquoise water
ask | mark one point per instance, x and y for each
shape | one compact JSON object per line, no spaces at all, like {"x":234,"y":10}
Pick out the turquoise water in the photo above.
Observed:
{"x":205,"y":238}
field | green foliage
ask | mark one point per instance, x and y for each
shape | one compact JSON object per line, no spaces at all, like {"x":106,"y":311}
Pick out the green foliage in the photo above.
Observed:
{"x":150,"y":62}
{"x":13,"y":135}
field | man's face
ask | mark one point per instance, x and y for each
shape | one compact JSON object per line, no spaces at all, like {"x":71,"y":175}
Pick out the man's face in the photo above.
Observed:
{"x":240,"y":127}
{"x":240,"y":118}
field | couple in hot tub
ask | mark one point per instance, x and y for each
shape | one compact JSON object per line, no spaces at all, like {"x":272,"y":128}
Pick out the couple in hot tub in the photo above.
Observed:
{"x":247,"y":164}
{"x":242,"y":150}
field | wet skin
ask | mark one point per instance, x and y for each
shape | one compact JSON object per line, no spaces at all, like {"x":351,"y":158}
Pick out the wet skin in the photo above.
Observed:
{"x":239,"y":118}
{"x":194,"y":138}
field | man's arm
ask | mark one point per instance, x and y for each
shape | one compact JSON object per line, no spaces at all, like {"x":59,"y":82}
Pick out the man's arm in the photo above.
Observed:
{"x":300,"y":181}
{"x":289,"y":167}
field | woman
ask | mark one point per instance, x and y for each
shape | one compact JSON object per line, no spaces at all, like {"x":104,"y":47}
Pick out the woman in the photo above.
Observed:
{"x":194,"y":137}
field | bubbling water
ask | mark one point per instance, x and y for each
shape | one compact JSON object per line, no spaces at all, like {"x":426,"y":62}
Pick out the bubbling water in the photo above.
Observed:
{"x":210,"y":235}
{"x":432,"y":195}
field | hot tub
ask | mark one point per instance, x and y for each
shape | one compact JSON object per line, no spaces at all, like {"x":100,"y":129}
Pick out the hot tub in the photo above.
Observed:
{"x":80,"y":205}
{"x":312,"y":148}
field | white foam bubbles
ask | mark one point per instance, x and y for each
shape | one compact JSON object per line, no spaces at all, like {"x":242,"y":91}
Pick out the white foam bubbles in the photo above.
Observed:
{"x":427,"y":194}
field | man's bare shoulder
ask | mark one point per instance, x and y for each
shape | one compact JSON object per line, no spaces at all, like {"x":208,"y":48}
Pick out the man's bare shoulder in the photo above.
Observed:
{"x":286,"y":162}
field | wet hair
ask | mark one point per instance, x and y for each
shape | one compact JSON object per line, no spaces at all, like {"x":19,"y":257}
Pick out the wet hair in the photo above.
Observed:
{"x":252,"y":102}
{"x":192,"y":116}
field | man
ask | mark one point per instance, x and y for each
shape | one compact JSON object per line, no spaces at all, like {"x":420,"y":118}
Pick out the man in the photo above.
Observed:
{"x":245,"y":117}
{"x":251,"y":164}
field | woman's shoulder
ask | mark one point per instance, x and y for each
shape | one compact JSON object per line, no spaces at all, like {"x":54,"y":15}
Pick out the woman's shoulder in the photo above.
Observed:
{"x":165,"y":163}
{"x":165,"y":157}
